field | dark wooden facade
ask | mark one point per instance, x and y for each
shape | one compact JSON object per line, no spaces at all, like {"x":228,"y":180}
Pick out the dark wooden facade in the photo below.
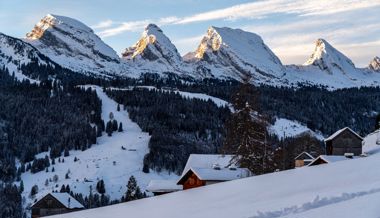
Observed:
{"x":48,"y":206}
{"x":346,"y":141}
{"x":191,"y":180}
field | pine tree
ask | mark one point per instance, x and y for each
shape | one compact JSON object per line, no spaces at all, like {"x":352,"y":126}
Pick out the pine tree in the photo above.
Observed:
{"x":377,"y":125}
{"x":109,"y":128}
{"x":33,"y":191}
{"x":120,"y":127}
{"x":133,"y":191}
{"x":100,"y":187}
{"x":118,"y":107}
{"x":21,"y":186}
{"x":114,"y":125}
{"x":246,"y":135}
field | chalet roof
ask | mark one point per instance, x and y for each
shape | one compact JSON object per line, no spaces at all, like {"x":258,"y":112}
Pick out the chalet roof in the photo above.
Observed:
{"x":330,"y":158}
{"x":304,"y":156}
{"x":222,"y":174}
{"x":340,"y":131}
{"x":65,"y":199}
{"x":208,"y":161}
{"x":163,"y":186}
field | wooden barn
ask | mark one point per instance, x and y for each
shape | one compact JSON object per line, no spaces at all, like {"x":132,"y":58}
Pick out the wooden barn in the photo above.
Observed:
{"x":303,"y":159}
{"x":207,"y":169}
{"x":160,"y":187}
{"x":344,"y":141}
{"x":55,"y":203}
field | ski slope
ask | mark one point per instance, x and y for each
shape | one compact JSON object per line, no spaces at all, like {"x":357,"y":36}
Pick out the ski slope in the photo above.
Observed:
{"x":288,"y":128}
{"x":348,"y":189}
{"x":105,"y":160}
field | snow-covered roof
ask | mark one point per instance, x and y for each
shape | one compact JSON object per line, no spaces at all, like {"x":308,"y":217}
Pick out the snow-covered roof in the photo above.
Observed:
{"x":223,"y":174}
{"x":208,"y":161}
{"x":340,"y":131}
{"x":163,"y":186}
{"x":67,"y":200}
{"x":305,"y":153}
{"x":330,"y":158}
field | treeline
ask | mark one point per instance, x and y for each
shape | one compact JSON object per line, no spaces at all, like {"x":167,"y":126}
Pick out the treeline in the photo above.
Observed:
{"x":318,"y":108}
{"x":44,"y":117}
{"x":10,"y":201}
{"x":178,"y":126}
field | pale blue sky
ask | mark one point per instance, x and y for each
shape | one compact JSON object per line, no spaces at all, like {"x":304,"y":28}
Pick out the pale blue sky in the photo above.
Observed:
{"x":289,"y":27}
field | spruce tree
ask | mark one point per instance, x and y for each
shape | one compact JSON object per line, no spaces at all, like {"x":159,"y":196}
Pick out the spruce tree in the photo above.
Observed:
{"x":133,"y":191}
{"x":120,"y":127}
{"x":246,"y":135}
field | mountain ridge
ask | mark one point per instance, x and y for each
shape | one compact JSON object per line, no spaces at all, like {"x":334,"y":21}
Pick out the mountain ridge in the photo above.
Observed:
{"x":223,"y":53}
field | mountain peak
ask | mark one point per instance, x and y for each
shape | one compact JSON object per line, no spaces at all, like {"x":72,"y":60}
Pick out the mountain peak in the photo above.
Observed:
{"x":239,"y":51}
{"x":51,"y":21}
{"x":72,"y":44}
{"x":328,"y":58}
{"x":152,"y":26}
{"x":375,"y":64}
{"x":153,"y":45}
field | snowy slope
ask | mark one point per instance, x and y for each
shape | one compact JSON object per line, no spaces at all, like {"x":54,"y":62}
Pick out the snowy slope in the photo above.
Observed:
{"x":14,"y":52}
{"x":73,"y":45}
{"x":234,"y":53}
{"x":341,"y":189}
{"x":288,"y":128}
{"x":98,"y":162}
{"x":155,"y":53}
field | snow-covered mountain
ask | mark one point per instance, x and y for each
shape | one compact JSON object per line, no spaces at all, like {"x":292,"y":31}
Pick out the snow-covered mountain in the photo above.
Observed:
{"x":329,"y":59}
{"x":73,"y":45}
{"x":154,"y":52}
{"x":15,"y":52}
{"x":375,"y":64}
{"x":222,"y":53}
{"x":234,"y":53}
{"x":330,"y":68}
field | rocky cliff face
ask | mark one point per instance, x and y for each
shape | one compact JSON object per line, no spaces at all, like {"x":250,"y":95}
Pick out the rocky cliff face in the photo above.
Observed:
{"x":375,"y":64}
{"x":329,"y":59}
{"x":73,"y":45}
{"x":154,"y":52}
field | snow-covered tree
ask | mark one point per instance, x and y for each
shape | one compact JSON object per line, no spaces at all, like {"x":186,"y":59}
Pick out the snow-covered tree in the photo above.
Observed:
{"x":247,"y":131}
{"x":133,"y":190}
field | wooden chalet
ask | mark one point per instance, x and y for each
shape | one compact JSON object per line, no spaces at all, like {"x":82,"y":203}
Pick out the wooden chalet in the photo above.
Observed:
{"x":160,"y":187}
{"x":55,"y":203}
{"x":344,"y":141}
{"x":303,"y":159}
{"x":201,"y":170}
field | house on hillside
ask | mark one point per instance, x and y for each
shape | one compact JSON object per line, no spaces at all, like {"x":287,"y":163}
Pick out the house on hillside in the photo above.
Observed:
{"x":344,"y":141}
{"x":303,"y":159}
{"x":160,"y":187}
{"x":55,"y":203}
{"x":326,"y":159}
{"x":202,"y":169}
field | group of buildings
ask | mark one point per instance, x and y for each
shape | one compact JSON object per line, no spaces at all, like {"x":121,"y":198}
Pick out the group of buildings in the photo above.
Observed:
{"x":207,"y":169}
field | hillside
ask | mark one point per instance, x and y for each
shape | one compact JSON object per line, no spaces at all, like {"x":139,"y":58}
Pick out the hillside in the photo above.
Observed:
{"x":106,"y":160}
{"x":347,"y":191}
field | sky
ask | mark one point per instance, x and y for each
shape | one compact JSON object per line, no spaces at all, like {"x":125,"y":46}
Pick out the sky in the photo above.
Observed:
{"x":289,"y":27}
